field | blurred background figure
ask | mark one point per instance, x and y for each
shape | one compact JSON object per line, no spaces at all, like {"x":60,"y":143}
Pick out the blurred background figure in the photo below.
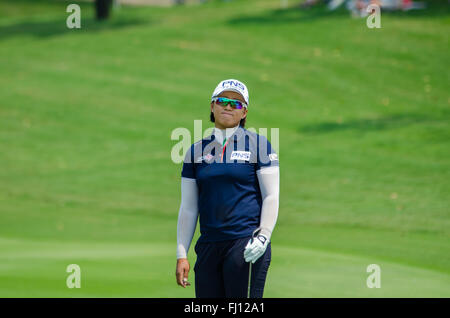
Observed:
{"x":103,"y":9}
{"x":358,"y":7}
{"x":199,"y":1}
{"x":309,"y":3}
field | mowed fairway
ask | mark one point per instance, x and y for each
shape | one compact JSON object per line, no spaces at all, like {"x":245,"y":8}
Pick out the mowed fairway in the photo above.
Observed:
{"x":86,"y":117}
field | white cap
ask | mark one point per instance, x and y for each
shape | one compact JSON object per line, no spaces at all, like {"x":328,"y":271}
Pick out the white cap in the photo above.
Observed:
{"x":231,"y":85}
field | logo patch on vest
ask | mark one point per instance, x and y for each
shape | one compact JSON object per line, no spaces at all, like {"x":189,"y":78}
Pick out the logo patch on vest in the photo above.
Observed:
{"x":240,"y":155}
{"x":208,"y":158}
{"x":273,"y":156}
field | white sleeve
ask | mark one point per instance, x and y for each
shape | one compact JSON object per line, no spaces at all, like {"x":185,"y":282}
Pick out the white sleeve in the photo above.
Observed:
{"x":187,"y":216}
{"x":269,"y":183}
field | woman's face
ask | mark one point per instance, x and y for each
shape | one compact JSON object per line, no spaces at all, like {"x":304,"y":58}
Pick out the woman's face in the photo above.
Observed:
{"x":227,"y":117}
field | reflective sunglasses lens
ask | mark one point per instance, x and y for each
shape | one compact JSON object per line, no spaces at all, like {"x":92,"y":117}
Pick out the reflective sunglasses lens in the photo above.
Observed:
{"x":222,"y":101}
{"x":236,"y":104}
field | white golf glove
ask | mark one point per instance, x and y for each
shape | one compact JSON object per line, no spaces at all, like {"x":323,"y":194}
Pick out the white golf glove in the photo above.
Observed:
{"x":255,"y":248}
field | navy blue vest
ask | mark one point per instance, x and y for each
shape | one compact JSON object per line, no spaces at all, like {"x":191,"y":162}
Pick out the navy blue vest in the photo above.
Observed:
{"x":229,"y":197}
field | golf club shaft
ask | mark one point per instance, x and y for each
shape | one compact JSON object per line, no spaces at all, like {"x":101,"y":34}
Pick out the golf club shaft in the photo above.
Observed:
{"x":249,"y":279}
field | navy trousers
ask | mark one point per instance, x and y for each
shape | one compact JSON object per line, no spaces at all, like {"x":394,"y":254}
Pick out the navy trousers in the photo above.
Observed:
{"x":221,"y":270}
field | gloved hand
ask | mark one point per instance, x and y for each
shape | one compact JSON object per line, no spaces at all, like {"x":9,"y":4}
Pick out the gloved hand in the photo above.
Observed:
{"x":255,"y":248}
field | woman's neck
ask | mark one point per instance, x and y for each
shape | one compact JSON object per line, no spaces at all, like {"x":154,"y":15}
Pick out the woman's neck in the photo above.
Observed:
{"x":220,"y":134}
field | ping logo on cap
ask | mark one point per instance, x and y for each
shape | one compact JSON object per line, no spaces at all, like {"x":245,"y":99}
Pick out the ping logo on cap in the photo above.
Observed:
{"x":233,"y":84}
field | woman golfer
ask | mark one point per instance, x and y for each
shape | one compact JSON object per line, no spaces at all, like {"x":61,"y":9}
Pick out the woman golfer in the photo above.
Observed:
{"x":231,"y":180}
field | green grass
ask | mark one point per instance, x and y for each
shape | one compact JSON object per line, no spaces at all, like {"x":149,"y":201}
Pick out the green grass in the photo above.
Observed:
{"x":85,"y":123}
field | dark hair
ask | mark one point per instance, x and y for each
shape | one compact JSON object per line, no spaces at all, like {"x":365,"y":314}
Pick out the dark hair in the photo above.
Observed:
{"x":241,"y":123}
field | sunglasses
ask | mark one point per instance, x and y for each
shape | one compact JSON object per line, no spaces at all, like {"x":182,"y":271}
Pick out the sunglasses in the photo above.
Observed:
{"x":234,"y":103}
